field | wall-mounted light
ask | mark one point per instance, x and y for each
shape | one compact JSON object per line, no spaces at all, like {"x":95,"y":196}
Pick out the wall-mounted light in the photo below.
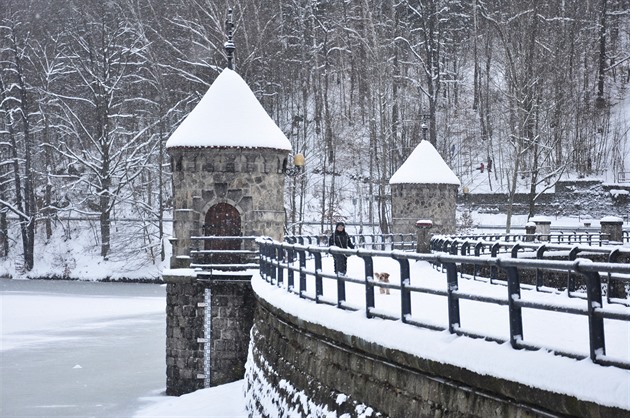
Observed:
{"x":298,"y":165}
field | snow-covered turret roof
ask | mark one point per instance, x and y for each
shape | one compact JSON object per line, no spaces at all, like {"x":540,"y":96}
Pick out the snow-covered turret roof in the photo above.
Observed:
{"x":424,"y":166}
{"x":229,"y":115}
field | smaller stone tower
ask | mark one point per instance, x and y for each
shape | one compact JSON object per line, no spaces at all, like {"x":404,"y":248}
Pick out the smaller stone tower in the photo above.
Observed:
{"x":424,"y":187}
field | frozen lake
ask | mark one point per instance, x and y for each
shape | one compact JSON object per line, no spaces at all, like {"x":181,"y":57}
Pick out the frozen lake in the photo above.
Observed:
{"x":80,"y":349}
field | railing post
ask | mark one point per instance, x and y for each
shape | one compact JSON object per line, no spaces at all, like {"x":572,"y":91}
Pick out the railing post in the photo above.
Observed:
{"x":302,"y":256}
{"x":465,"y":250}
{"x":516,"y":317}
{"x":478,"y":248}
{"x":291,"y":273}
{"x":319,"y":286}
{"x":453,"y":301}
{"x":540,"y":280}
{"x":514,"y":250}
{"x":262,"y":260}
{"x":369,"y":284}
{"x":405,"y":294}
{"x":341,"y":291}
{"x":494,"y":271}
{"x":614,"y":289}
{"x":269,"y":249}
{"x":272,"y":257}
{"x":570,"y":276}
{"x":595,"y":322}
{"x":280,"y":259}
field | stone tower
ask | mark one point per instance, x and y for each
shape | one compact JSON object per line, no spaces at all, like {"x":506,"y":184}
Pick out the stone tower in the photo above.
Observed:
{"x":424,"y":187}
{"x":229,"y":160}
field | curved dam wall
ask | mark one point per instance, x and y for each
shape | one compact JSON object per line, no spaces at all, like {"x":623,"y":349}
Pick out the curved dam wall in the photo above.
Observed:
{"x":297,"y":368}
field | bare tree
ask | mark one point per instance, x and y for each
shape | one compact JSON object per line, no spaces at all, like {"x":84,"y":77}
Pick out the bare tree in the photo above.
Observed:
{"x":16,"y":103}
{"x":105,"y":141}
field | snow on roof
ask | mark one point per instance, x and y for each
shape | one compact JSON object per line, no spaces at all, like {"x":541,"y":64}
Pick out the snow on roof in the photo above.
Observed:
{"x":540,"y":218}
{"x":611,"y":219}
{"x":424,"y":165}
{"x":229,"y":115}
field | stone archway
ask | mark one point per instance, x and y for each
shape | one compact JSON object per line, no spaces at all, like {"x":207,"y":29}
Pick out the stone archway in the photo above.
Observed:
{"x":223,"y":220}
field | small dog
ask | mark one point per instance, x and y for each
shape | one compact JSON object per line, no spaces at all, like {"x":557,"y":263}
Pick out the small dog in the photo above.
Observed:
{"x":382,"y":277}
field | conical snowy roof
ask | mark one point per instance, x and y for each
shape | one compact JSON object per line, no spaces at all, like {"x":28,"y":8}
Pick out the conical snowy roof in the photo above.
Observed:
{"x":229,"y":115}
{"x":424,"y":166}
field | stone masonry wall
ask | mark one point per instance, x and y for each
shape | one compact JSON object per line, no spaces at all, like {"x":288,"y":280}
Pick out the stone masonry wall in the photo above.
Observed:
{"x":232,"y":308}
{"x":184,"y":325}
{"x":583,"y":198}
{"x":296,"y":368}
{"x":251,"y":180}
{"x":412,"y":202}
{"x":233,"y":305}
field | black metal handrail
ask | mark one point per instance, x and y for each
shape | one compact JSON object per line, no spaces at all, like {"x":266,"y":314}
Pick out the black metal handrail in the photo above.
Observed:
{"x":278,"y":260}
{"x":556,"y":237}
{"x":246,"y":255}
{"x":481,"y":247}
{"x":232,"y":259}
{"x":373,"y":241}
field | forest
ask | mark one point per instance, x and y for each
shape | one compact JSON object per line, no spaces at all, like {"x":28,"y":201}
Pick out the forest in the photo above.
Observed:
{"x":90,"y":91}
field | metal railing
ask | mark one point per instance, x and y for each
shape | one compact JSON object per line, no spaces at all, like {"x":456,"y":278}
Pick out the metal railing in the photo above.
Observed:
{"x":374,"y":241}
{"x":540,"y":251}
{"x":280,"y":262}
{"x":229,"y":253}
{"x":556,"y":237}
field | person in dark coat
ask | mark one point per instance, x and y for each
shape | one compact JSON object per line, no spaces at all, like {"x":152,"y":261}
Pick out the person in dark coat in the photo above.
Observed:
{"x":341,"y":239}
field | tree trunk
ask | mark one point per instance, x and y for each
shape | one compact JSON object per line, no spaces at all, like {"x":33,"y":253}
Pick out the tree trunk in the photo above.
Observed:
{"x":602,"y":55}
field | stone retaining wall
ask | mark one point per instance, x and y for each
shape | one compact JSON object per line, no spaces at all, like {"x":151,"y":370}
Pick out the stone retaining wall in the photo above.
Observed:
{"x":585,"y":198}
{"x":297,"y":368}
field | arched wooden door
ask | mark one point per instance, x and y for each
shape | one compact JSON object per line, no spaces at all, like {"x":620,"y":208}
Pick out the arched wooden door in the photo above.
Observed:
{"x":223,"y":220}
